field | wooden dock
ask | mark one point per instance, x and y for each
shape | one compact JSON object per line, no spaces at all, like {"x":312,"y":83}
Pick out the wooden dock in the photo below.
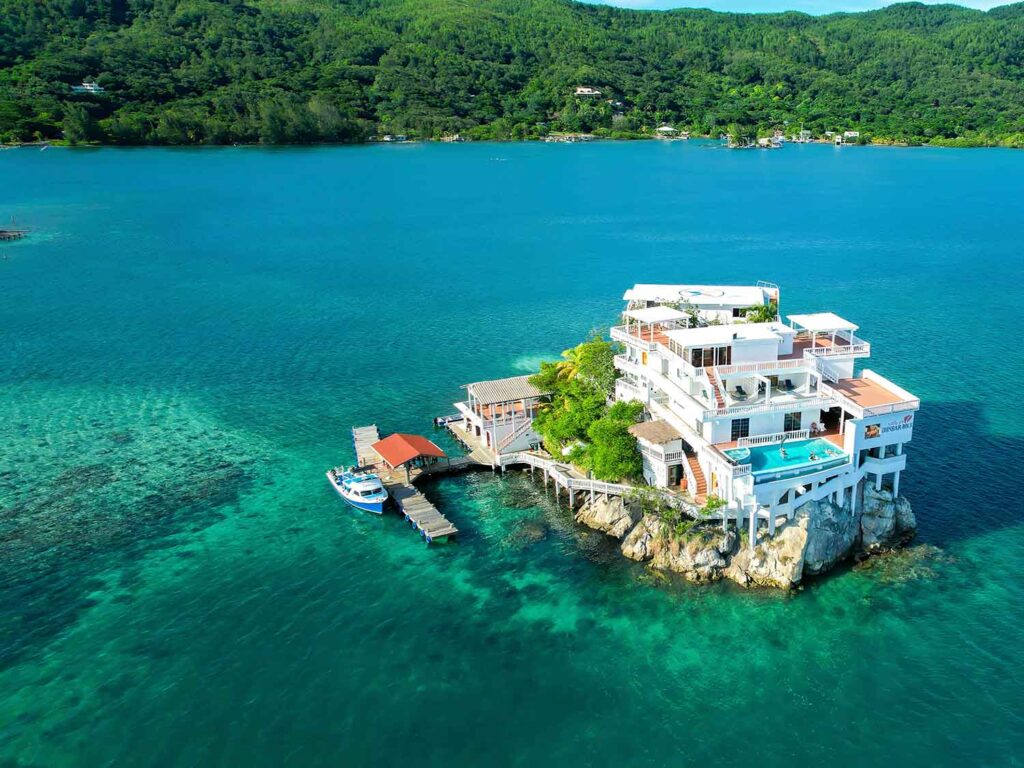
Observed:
{"x":414,"y":506}
{"x":423,"y":515}
{"x":362,"y":439}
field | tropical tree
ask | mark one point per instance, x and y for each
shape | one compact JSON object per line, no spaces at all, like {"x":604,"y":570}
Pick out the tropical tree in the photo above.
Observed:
{"x":762,"y":313}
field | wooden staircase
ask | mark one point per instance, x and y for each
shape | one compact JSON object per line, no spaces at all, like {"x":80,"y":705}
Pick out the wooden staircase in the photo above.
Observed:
{"x":715,"y":388}
{"x":521,"y":429}
{"x":700,"y":493}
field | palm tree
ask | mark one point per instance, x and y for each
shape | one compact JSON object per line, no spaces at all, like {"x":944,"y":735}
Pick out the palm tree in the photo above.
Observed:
{"x":568,"y":368}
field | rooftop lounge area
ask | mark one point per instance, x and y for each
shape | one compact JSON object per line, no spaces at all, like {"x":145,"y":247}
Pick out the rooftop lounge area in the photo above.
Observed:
{"x":824,"y":333}
{"x":869,"y":392}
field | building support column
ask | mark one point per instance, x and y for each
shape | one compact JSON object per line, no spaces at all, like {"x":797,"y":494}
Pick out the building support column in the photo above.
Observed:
{"x":896,"y":484}
{"x":752,"y":528}
{"x":771,"y":519}
{"x":878,"y":481}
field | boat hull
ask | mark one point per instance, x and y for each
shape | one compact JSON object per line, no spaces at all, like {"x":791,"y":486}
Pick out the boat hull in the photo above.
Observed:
{"x":375,"y":507}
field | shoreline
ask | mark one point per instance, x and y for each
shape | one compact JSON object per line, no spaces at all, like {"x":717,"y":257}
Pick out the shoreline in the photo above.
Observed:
{"x":61,"y":144}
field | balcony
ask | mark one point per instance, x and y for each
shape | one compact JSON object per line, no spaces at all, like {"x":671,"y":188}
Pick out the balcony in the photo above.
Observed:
{"x":870,"y":395}
{"x":627,"y":390}
{"x":843,"y":346}
{"x":624,"y":364}
{"x":496,"y":416}
{"x":779,"y":401}
{"x":648,"y":342}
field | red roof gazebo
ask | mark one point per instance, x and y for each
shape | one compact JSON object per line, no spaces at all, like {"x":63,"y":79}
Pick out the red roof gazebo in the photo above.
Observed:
{"x":400,"y":450}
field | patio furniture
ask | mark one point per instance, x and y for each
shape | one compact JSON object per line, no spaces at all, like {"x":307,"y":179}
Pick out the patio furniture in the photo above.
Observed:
{"x":740,"y":393}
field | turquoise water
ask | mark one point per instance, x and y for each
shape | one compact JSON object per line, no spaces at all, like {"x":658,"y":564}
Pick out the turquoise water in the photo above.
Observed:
{"x":769,"y":459}
{"x":184,"y":350}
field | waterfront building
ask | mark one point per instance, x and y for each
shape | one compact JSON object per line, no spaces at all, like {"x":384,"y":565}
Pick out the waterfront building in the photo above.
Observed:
{"x":498,"y":414}
{"x":766,"y":415}
{"x":586,"y":91}
{"x":87,"y":87}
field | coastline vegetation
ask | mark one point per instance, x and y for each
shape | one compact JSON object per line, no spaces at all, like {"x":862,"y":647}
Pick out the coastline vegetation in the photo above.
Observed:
{"x":579,"y":424}
{"x":304,"y":71}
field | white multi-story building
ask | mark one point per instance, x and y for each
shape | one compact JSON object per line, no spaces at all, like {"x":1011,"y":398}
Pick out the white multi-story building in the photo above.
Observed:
{"x":763,"y":415}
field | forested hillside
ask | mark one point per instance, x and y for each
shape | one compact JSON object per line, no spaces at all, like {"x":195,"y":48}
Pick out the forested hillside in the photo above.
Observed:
{"x":279,"y":71}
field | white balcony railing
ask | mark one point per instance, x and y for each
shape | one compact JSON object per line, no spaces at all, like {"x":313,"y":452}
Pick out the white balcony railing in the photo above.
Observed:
{"x":628,"y":388}
{"x":621,"y":333}
{"x":501,"y":420}
{"x":623,"y":363}
{"x":774,"y":406}
{"x":859,"y":410}
{"x":855,"y":348}
{"x":763,"y":367}
{"x":777,"y":437}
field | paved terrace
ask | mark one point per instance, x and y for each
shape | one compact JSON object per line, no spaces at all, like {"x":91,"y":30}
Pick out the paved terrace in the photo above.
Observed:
{"x":866,"y":393}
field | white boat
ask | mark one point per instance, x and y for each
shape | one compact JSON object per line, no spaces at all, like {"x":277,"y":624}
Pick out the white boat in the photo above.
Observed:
{"x":362,"y":490}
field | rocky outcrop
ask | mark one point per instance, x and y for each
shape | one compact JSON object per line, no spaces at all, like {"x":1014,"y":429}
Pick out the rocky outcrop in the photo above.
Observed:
{"x":821,"y":535}
{"x":639,"y":543}
{"x":700,"y":557}
{"x":832,"y":534}
{"x":885,"y":522}
{"x":773,"y":562}
{"x":609,"y":514}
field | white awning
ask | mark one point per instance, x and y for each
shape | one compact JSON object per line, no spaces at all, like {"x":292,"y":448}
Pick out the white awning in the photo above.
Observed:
{"x":655,"y":314}
{"x":822,"y":322}
{"x":717,"y":335}
{"x":699,"y":295}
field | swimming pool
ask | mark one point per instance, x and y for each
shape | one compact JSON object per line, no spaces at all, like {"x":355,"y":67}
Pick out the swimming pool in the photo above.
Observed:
{"x":801,"y":455}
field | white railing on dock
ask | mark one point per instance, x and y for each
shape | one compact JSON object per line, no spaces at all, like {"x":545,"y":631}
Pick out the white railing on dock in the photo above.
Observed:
{"x":561,"y":475}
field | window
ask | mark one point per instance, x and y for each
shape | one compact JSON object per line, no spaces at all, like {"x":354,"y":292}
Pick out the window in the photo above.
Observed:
{"x":705,"y":357}
{"x":791,"y":422}
{"x":740,"y":428}
{"x":737,"y":312}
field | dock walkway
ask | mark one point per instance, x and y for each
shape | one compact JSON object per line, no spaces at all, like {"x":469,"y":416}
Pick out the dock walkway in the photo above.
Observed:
{"x":362,"y":440}
{"x":423,"y":515}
